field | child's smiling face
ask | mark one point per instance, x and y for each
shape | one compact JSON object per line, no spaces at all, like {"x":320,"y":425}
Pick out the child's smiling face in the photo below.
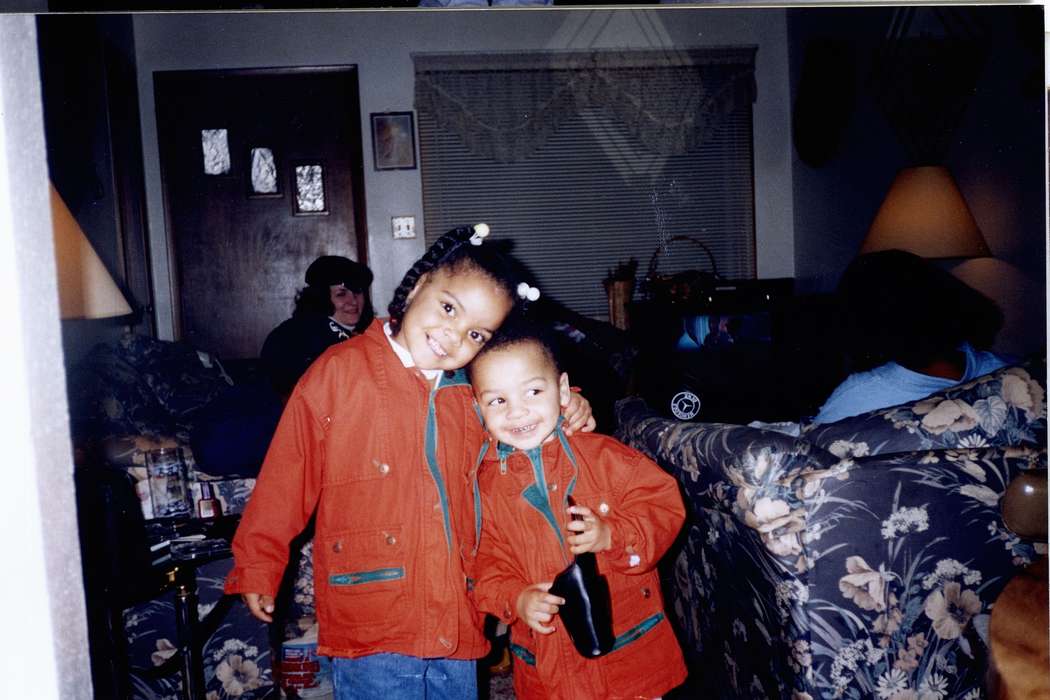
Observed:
{"x":520,"y":393}
{"x":450,"y":315}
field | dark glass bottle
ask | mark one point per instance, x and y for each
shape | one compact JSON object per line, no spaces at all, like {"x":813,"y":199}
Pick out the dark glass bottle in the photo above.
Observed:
{"x":587,"y":613}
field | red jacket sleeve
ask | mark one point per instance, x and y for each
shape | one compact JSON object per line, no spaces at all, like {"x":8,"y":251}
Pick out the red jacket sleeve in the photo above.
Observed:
{"x":646,"y":515}
{"x":282,"y":501}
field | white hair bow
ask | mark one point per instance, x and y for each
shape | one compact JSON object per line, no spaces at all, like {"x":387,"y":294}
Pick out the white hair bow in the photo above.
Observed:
{"x":480,"y":231}
{"x":527,"y":292}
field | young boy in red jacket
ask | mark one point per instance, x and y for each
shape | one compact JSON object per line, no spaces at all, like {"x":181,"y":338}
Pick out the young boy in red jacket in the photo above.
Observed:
{"x":631,"y":512}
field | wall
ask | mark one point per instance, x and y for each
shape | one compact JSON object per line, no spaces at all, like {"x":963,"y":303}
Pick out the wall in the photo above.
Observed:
{"x":381,"y":44}
{"x":997,"y":158}
{"x":45,"y":652}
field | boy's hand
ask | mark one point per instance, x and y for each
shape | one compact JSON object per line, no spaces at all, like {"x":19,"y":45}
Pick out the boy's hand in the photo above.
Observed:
{"x":578,"y":414}
{"x":261,"y":606}
{"x":595,"y":535}
{"x":537,"y":607}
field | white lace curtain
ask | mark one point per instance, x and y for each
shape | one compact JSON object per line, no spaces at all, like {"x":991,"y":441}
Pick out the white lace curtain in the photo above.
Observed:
{"x":505,"y":105}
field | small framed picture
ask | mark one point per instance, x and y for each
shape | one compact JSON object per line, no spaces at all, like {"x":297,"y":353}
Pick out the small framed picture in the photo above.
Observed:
{"x":262,"y":173}
{"x":311,"y":196}
{"x":394,"y":140}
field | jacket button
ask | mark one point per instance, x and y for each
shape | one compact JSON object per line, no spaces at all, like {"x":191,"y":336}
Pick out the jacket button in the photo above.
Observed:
{"x":553,"y":487}
{"x":646,"y":593}
{"x":603,"y":508}
{"x":390,"y":539}
{"x":337,"y":547}
{"x":384,"y":468}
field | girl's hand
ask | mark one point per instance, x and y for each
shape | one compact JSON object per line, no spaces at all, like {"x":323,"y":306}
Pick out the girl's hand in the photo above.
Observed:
{"x":578,"y":414}
{"x":261,"y":606}
{"x":595,"y":534}
{"x":537,"y":607}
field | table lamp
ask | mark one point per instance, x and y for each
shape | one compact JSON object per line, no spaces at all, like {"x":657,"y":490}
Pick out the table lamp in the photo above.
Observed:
{"x":85,"y":287}
{"x":925,"y":213}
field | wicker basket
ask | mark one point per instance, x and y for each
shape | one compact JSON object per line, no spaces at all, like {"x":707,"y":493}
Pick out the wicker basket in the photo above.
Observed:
{"x":681,"y":287}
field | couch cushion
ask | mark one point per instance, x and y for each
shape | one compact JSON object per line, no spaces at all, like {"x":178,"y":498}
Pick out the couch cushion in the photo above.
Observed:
{"x":107,"y":396}
{"x":911,"y":554}
{"x":1006,"y":407}
{"x":142,"y":386}
{"x":183,"y":379}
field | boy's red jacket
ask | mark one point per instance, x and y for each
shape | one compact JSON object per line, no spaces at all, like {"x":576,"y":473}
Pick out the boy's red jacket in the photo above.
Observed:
{"x":394,"y":494}
{"x":523,"y":497}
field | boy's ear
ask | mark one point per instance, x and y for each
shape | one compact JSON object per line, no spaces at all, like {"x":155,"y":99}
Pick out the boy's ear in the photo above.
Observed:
{"x":564,"y":390}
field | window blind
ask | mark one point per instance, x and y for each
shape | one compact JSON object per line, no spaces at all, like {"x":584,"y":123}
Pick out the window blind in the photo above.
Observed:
{"x":591,"y":196}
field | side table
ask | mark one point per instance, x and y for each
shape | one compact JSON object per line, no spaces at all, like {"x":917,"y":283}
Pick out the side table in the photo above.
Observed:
{"x":210,"y":542}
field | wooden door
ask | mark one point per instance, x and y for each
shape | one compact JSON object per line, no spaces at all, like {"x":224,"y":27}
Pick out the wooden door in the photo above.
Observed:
{"x":240,"y":244}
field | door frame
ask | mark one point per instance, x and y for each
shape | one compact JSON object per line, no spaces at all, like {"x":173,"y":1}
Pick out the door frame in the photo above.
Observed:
{"x":356,"y":157}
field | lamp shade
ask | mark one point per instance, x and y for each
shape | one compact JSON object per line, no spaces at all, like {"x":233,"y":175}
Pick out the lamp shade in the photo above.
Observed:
{"x":925,"y":213}
{"x":85,"y":288}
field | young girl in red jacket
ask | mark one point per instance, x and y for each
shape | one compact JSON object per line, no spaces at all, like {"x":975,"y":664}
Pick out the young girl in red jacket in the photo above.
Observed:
{"x":631,"y":512}
{"x":380,"y":439}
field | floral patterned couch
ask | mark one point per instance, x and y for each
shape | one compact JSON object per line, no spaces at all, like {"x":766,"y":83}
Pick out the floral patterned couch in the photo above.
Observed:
{"x":859,"y":560}
{"x":127,"y":398}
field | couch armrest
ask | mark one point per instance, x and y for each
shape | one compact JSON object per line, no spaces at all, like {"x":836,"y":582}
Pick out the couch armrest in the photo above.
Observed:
{"x":710,"y":456}
{"x":1006,"y":407}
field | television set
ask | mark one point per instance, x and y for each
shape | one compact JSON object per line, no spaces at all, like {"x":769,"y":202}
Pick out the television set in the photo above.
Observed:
{"x":745,"y":351}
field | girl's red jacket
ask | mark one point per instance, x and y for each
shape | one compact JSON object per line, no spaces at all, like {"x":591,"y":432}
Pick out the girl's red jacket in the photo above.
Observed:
{"x":388,"y":463}
{"x":523,"y":542}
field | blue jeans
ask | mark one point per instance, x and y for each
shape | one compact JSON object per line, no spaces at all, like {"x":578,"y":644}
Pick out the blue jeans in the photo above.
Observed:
{"x":394,"y":676}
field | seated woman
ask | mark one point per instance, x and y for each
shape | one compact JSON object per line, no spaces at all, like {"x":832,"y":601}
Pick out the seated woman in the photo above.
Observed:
{"x":232,"y":433}
{"x":333,"y":306}
{"x":912,"y":329}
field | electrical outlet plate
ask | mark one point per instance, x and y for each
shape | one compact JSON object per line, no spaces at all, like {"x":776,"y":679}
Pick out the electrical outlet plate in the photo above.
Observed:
{"x":403,"y":226}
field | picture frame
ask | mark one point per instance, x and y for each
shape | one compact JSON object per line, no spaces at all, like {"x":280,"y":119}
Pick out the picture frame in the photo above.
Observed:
{"x":309,"y":188}
{"x":393,"y":140}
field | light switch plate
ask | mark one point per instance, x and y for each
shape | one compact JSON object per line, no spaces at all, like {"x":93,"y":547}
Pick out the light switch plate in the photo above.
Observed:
{"x":403,"y":226}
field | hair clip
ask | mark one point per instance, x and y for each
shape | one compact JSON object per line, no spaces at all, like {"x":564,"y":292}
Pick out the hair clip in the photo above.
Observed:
{"x":480,"y":231}
{"x":527,"y":292}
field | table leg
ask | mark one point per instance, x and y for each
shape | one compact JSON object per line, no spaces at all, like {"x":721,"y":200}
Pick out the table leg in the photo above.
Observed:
{"x":186,"y":624}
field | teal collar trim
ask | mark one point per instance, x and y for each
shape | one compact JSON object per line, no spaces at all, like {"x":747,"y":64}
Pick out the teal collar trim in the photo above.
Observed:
{"x":504,"y":450}
{"x":430,"y":448}
{"x":452,"y":378}
{"x":477,"y":495}
{"x":536,"y":493}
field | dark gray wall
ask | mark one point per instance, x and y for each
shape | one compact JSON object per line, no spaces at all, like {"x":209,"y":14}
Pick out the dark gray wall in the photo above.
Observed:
{"x":998,"y":159}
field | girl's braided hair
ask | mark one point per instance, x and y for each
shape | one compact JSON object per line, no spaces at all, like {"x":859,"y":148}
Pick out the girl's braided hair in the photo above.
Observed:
{"x":453,"y":251}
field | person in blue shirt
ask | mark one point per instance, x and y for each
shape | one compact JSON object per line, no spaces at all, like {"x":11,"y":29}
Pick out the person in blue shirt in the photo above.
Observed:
{"x":911,"y":330}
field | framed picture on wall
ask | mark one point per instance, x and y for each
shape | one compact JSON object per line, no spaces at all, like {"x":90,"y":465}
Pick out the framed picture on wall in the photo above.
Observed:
{"x":311,"y":197}
{"x":394,"y":140}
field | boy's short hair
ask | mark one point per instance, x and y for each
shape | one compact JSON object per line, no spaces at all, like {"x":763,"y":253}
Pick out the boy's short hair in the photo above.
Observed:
{"x":521,"y":330}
